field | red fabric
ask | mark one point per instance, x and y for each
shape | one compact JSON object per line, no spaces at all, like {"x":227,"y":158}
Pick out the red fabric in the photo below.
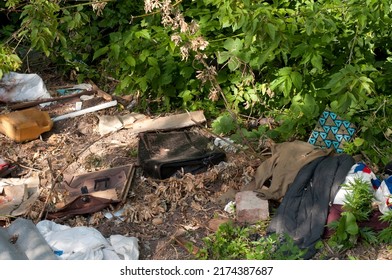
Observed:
{"x":373,"y":222}
{"x":3,"y":165}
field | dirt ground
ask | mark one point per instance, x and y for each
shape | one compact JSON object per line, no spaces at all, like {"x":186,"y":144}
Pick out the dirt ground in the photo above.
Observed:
{"x":164,"y":215}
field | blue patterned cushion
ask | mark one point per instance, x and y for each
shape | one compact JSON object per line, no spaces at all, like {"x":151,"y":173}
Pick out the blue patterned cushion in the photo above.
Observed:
{"x":332,"y":131}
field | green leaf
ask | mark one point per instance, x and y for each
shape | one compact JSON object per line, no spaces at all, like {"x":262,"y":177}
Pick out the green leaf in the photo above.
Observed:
{"x":309,"y":107}
{"x":130,"y":60}
{"x":187,"y":72}
{"x":152,"y":61}
{"x":186,"y":95}
{"x":358,"y":141}
{"x":143,"y":83}
{"x":128,"y":38}
{"x":233,"y":45}
{"x":233,"y":64}
{"x":143,"y":34}
{"x":297,"y":79}
{"x":144,"y":54}
{"x":271,"y":29}
{"x":224,"y":124}
{"x":317,"y":61}
{"x":100,"y":52}
{"x":299,"y":50}
{"x":222,"y":57}
{"x":115,"y":48}
{"x":275,"y":83}
{"x":287,"y":87}
{"x":351,"y":223}
{"x":285,"y":71}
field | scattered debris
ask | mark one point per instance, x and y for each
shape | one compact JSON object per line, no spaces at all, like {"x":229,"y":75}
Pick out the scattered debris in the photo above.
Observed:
{"x":51,"y":100}
{"x":226,"y":144}
{"x":384,"y":195}
{"x":230,"y":207}
{"x":154,"y":206}
{"x":6,"y":168}
{"x":18,"y":195}
{"x":74,"y":89}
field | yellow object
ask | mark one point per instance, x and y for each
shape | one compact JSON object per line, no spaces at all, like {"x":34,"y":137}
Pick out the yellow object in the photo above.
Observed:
{"x":25,"y":125}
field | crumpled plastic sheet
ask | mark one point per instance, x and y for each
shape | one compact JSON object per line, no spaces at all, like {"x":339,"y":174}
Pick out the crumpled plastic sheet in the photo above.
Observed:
{"x":17,"y":87}
{"x":87,"y":243}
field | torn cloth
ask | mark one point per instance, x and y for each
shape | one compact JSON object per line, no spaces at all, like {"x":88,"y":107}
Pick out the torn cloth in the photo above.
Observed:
{"x":283,"y":166}
{"x":304,"y":209}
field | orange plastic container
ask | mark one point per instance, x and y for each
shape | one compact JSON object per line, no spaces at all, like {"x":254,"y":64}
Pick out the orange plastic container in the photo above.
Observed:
{"x":25,"y":125}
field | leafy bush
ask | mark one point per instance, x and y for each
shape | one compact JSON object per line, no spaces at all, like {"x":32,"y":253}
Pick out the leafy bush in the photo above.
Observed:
{"x":357,"y":208}
{"x":233,"y":242}
{"x":288,"y":60}
{"x":385,"y":235}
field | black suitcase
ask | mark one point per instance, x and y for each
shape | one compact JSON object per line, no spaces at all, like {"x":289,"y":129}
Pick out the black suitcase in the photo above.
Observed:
{"x":164,"y":154}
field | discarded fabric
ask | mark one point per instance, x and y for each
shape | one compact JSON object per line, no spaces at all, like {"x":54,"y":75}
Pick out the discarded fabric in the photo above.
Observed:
{"x":381,"y":189}
{"x":372,"y":222}
{"x":87,"y":243}
{"x":304,"y":209}
{"x":282,"y":167}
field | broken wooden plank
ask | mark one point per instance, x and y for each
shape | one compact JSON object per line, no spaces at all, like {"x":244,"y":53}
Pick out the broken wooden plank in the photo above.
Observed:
{"x":167,"y":123}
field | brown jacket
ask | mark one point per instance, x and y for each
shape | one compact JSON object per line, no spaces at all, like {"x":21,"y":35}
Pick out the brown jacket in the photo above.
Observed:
{"x":282,"y":167}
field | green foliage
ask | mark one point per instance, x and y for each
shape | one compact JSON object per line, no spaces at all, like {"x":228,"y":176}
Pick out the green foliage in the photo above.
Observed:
{"x":385,"y":235}
{"x":233,"y":242}
{"x":288,"y":60}
{"x":224,"y":124}
{"x":357,"y":208}
{"x":8,"y":61}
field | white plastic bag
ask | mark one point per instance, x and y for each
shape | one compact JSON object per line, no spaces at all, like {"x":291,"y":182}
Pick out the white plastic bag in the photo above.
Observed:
{"x":17,"y":87}
{"x":86,"y":243}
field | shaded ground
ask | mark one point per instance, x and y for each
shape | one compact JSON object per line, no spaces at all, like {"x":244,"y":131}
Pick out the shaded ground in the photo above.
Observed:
{"x":163,"y":214}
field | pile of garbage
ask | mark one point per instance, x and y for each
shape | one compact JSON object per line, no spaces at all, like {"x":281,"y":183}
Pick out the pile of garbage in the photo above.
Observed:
{"x":305,"y":179}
